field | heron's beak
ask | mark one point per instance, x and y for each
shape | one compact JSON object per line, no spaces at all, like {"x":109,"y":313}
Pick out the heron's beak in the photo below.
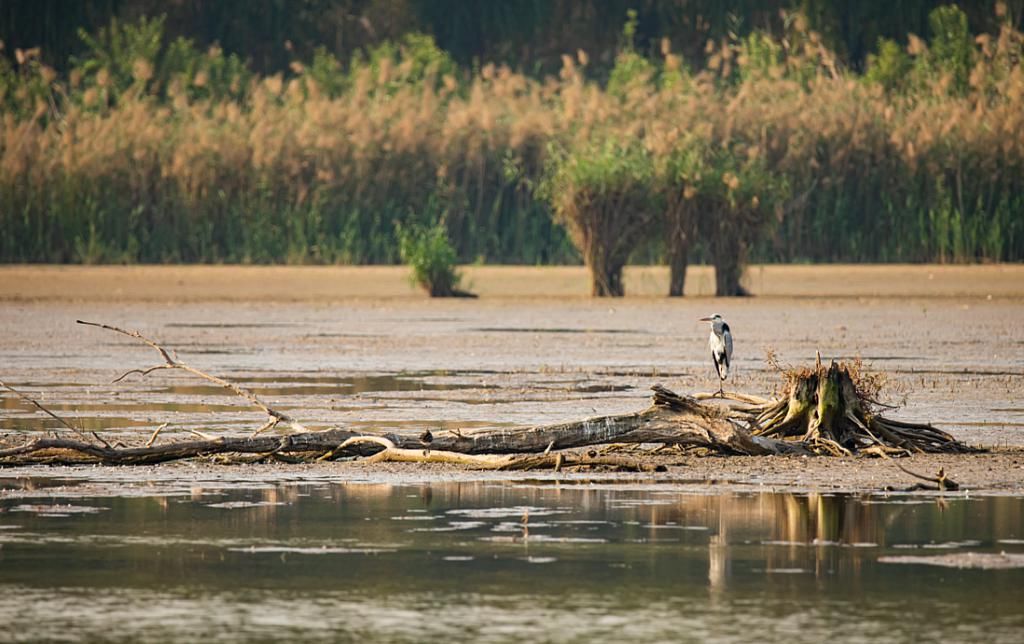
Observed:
{"x":705,"y":319}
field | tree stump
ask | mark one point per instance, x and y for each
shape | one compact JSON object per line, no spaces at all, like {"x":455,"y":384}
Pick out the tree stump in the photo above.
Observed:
{"x":826,"y":410}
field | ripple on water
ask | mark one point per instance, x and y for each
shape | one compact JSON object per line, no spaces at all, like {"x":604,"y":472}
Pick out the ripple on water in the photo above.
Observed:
{"x":949,"y":545}
{"x":503,"y":512}
{"x":978,"y":560}
{"x":58,"y":509}
{"x":453,"y":526}
{"x":239,"y":505}
{"x":540,"y":538}
{"x":313,"y":550}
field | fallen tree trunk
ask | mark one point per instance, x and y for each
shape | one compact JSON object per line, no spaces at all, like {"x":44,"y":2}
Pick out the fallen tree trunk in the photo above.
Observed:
{"x":671,"y":420}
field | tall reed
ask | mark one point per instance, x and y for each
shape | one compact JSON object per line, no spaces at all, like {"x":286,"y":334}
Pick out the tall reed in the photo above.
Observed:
{"x":168,"y":154}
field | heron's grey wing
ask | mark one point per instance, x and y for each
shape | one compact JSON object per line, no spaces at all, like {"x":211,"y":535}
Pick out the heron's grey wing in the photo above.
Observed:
{"x":728,"y":347}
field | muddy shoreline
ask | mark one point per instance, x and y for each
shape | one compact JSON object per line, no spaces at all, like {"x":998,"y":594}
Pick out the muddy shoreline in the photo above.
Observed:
{"x":999,"y":471}
{"x":358,"y":347}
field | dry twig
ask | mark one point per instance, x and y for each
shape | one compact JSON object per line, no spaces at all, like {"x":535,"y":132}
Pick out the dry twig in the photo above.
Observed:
{"x":943,"y":483}
{"x":46,"y":411}
{"x":172,"y":362}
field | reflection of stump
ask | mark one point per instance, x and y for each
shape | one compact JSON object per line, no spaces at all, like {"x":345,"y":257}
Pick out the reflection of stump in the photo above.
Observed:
{"x":824,"y":408}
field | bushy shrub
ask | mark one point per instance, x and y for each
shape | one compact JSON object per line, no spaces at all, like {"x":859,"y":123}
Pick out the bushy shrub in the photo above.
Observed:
{"x":951,"y":47}
{"x":600,"y":189}
{"x":630,"y":68}
{"x":729,"y":194}
{"x":125,"y":57}
{"x":427,"y":250}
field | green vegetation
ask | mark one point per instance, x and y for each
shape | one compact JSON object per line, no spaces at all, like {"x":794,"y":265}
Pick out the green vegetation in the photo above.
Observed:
{"x":601,"y":192}
{"x":769,"y":148}
{"x":432,"y":259}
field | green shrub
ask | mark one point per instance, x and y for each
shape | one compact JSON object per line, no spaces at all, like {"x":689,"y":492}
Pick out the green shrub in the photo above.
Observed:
{"x":430,"y":254}
{"x":600,"y":190}
{"x":951,"y":48}
{"x":410,"y":62}
{"x":731,"y":193}
{"x":890,"y":67}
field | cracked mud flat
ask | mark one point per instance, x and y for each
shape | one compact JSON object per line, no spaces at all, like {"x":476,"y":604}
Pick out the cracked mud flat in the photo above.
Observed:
{"x":357,"y":347}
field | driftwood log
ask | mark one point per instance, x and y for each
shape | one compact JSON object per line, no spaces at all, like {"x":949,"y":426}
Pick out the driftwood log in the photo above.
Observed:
{"x":823,"y":412}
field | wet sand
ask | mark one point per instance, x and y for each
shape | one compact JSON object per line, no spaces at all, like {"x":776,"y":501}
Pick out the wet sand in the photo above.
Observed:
{"x":999,"y":471}
{"x":359,"y":347}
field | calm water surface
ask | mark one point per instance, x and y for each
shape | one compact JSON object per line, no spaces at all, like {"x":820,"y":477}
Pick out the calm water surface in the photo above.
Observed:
{"x":497,"y":561}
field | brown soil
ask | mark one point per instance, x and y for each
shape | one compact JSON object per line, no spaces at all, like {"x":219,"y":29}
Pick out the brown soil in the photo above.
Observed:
{"x":175,"y":283}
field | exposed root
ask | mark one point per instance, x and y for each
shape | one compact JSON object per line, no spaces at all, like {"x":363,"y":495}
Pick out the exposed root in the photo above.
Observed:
{"x":831,"y":410}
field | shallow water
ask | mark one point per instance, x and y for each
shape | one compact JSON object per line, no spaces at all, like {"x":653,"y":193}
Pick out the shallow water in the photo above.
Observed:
{"x":500,"y":561}
{"x":499,"y":362}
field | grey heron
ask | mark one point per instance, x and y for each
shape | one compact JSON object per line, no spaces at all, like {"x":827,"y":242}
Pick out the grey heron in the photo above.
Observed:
{"x":720,"y":343}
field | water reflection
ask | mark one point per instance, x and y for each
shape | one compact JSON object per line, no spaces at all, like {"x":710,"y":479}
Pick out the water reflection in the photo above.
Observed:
{"x":599,"y":561}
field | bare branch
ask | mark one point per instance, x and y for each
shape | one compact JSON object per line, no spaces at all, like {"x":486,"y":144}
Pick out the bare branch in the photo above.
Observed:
{"x":44,"y":410}
{"x":152,"y":438}
{"x":142,"y":372}
{"x":270,"y":424}
{"x":940,"y":479}
{"x":174,"y":363}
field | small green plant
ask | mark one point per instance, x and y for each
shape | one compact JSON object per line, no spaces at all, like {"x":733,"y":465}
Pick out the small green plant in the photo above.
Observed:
{"x":120,"y":55}
{"x":430,"y":254}
{"x":414,"y":61}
